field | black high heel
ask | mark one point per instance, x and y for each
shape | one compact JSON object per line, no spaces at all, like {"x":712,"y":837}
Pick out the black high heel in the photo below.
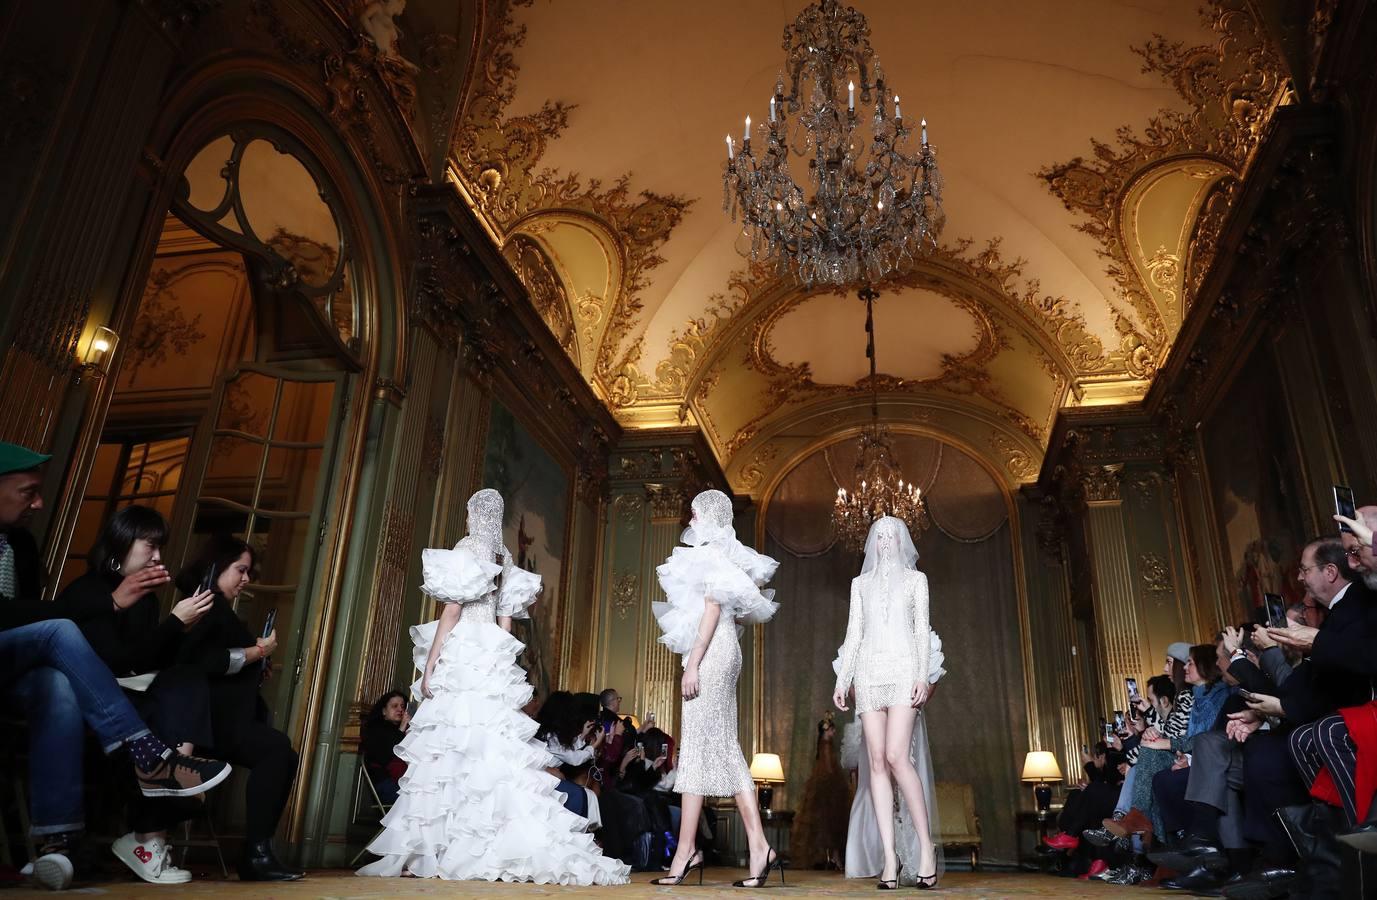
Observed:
{"x":890,"y":884}
{"x":672,"y":880}
{"x":772,"y":861}
{"x":926,"y":882}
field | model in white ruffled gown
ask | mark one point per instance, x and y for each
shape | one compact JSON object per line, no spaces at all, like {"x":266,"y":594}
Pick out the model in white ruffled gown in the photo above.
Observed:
{"x":476,"y":802}
{"x":885,"y":660}
{"x":865,"y":853}
{"x":710,"y":585}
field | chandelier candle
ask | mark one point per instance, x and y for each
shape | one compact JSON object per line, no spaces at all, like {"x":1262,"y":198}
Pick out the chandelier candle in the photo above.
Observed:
{"x":863,"y":205}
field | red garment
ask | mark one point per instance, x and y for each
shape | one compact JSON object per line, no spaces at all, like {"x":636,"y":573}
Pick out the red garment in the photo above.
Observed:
{"x":1362,"y":729}
{"x":396,"y":768}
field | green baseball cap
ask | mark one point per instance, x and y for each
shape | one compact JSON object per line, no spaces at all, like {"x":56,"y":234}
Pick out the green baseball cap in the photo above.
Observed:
{"x":14,"y":458}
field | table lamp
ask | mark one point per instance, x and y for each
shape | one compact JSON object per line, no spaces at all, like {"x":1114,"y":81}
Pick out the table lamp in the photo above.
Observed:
{"x":1040,"y":767}
{"x":766,"y":770}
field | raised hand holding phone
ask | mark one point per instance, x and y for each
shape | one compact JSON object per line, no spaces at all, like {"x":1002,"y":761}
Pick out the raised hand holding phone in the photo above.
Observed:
{"x":1345,"y":508}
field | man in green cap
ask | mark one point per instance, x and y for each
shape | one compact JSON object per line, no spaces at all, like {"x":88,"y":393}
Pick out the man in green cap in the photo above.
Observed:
{"x":51,"y":673}
{"x":21,"y":568}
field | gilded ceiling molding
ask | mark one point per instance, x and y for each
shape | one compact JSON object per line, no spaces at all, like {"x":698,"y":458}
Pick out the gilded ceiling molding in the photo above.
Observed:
{"x":546,"y":289}
{"x":497,"y":161}
{"x":1233,"y":86}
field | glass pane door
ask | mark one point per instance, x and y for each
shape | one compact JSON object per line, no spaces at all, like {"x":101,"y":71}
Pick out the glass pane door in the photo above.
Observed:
{"x":265,"y":473}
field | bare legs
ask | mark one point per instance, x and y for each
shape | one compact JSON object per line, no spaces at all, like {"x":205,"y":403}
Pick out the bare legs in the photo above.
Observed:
{"x":691,"y":810}
{"x":888,"y":734}
{"x":755,"y":832}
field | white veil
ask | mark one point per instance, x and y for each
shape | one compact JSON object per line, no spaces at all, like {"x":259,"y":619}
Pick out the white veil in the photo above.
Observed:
{"x":901,"y":546}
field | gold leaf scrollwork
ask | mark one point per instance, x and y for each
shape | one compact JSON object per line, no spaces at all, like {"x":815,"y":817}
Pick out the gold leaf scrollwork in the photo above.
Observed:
{"x":666,"y":501}
{"x":628,"y":508}
{"x":1164,"y":269}
{"x":625,"y":592}
{"x":1232,"y":86}
{"x":1019,"y":463}
{"x":754,"y":470}
{"x":1155,"y":574}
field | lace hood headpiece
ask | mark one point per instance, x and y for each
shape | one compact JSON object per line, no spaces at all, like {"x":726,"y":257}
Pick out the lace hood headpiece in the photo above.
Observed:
{"x":485,"y":522}
{"x":712,"y":519}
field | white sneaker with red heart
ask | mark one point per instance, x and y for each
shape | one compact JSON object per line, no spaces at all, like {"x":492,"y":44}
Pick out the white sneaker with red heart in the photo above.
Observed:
{"x":150,"y":860}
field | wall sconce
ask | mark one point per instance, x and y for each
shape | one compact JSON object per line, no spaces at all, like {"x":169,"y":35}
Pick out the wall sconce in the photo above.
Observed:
{"x":1040,"y":768}
{"x":766,"y":770}
{"x":96,"y":363}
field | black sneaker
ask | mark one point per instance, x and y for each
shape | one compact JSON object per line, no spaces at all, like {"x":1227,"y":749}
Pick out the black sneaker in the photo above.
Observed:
{"x":182,"y":776}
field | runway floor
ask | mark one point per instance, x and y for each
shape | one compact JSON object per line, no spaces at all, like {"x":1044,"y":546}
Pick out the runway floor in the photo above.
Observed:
{"x":339,"y":884}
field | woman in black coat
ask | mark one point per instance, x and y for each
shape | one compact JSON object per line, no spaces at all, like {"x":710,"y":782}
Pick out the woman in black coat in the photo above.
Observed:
{"x":221,"y":646}
{"x":122,"y":620}
{"x":384,"y":726}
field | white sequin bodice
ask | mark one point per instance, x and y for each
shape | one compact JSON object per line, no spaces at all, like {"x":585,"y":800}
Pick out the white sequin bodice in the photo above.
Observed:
{"x":887,"y":638}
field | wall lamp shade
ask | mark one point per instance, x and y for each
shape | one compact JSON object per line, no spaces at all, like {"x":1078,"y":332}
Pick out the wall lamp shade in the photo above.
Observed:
{"x":766,"y":767}
{"x":99,"y":353}
{"x":1040,"y":765}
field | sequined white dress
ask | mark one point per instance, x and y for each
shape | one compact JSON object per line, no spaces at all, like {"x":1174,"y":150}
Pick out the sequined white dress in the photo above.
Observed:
{"x":713,"y":564}
{"x":476,"y":802}
{"x":887,"y":638}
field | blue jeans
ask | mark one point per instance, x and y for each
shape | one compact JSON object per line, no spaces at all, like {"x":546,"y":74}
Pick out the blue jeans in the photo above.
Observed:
{"x":56,"y":733}
{"x":59,"y":644}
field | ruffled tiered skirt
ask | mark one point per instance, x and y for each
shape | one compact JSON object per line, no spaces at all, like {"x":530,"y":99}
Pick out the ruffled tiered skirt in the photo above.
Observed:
{"x":476,"y":802}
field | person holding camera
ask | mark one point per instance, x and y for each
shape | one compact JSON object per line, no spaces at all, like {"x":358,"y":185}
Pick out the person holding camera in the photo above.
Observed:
{"x":117,"y":611}
{"x":222,"y":646}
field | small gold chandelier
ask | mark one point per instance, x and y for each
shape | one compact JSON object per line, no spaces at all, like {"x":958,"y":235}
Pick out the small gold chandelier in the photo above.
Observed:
{"x":879,"y":488}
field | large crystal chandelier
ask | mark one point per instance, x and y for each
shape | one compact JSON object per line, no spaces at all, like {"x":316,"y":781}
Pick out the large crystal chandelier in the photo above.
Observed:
{"x":871,"y":206}
{"x":879,"y":488}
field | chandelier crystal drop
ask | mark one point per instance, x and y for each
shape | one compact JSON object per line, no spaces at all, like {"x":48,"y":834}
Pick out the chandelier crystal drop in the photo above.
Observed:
{"x":871,"y":205}
{"x":878,"y":488}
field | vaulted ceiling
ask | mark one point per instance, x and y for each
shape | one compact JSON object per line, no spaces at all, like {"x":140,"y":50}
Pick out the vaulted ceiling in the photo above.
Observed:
{"x":1090,"y":150}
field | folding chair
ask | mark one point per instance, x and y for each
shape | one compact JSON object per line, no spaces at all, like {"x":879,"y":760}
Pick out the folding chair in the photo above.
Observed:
{"x":373,"y":802}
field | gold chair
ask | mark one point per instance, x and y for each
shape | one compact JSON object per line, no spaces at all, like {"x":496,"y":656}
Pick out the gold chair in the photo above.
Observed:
{"x":959,"y":823}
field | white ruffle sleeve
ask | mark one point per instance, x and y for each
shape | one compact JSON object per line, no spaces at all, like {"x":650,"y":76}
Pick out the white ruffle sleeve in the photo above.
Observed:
{"x":936,"y":659}
{"x":519,"y":590}
{"x":692,"y":574}
{"x":457,"y":576}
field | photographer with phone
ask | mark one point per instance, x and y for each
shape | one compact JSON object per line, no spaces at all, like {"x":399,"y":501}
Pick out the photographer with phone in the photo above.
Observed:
{"x":223,"y":647}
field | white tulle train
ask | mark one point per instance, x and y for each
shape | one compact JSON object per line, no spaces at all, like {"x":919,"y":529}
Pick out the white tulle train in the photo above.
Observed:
{"x":476,"y":802}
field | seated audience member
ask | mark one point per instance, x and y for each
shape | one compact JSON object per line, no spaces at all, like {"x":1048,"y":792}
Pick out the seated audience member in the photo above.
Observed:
{"x":61,"y":687}
{"x":384,"y":726}
{"x":618,"y":735}
{"x":643,"y":768}
{"x":223,"y":647}
{"x":115,"y":608}
{"x":569,"y":731}
{"x":1335,"y":674}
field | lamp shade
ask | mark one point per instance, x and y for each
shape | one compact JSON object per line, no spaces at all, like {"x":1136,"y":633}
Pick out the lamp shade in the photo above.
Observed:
{"x":767,"y":767}
{"x":1040,"y":765}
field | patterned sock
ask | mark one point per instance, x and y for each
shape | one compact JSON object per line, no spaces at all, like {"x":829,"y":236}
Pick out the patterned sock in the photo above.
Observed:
{"x":148,"y":752}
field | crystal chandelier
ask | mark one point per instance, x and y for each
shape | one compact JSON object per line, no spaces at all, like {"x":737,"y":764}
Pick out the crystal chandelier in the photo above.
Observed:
{"x":870,"y":206}
{"x":879,"y":488}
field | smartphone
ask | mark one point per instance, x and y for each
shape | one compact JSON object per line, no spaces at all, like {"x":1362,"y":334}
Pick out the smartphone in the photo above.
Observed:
{"x":1131,"y":684}
{"x":208,"y":582}
{"x":1085,"y":748}
{"x":1246,"y":694}
{"x":1276,"y":610}
{"x":270,"y":623}
{"x":1108,"y":730}
{"x":1119,"y":720}
{"x":1344,"y":505}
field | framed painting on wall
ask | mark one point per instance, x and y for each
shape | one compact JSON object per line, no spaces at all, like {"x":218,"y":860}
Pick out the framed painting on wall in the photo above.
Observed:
{"x":536,"y":490}
{"x":1252,"y":460}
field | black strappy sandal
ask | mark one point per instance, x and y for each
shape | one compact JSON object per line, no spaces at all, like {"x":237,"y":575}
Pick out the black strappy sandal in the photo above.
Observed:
{"x":926,"y":882}
{"x":890,"y":884}
{"x":674,"y":880}
{"x":772,"y":861}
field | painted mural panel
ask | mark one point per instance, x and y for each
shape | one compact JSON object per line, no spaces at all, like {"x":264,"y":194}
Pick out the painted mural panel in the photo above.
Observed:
{"x":1254,"y":485}
{"x":536,"y":489}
